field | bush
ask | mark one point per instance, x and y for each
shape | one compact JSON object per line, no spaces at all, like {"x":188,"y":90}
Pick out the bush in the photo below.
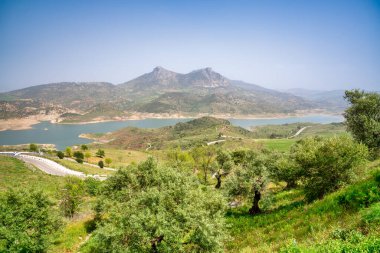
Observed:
{"x":92,"y":185}
{"x":79,"y":160}
{"x":60,"y":154}
{"x":101,"y":164}
{"x":371,"y":215}
{"x":78,"y":155}
{"x":362,"y":195}
{"x":33,"y":147}
{"x":100,"y":153}
{"x":327,"y":164}
{"x":27,"y":221}
{"x":71,"y":196}
{"x":148,"y":208}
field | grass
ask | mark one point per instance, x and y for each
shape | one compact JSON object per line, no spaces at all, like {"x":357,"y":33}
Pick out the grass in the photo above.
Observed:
{"x":15,"y":174}
{"x":278,"y":144}
{"x":291,"y":221}
{"x":87,"y":169}
{"x":119,"y":157}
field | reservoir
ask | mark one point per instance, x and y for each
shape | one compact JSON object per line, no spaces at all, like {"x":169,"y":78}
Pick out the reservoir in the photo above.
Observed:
{"x":63,"y":135}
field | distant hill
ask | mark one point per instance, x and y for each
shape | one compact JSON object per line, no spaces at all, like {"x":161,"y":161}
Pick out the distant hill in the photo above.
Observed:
{"x":332,"y":100}
{"x":160,"y":91}
{"x":185,"y":134}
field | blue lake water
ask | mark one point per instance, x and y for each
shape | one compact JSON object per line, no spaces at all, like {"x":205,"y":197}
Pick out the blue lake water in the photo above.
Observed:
{"x":63,"y":135}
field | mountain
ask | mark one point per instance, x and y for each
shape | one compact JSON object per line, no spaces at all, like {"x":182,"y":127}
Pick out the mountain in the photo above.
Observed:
{"x":202,"y":91}
{"x":332,"y":100}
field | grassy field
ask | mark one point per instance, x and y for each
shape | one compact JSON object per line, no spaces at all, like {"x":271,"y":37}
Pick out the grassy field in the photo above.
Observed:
{"x":288,"y":130}
{"x":291,"y":221}
{"x":17,"y":174}
{"x":87,"y":169}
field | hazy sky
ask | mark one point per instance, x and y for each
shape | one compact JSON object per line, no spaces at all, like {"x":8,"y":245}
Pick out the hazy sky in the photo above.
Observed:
{"x":281,"y":44}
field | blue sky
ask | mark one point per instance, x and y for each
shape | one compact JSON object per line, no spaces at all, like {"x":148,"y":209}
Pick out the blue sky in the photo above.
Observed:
{"x":326,"y":45}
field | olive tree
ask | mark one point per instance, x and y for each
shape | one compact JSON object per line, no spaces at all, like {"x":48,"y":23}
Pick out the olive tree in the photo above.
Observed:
{"x":150,"y":208}
{"x":363,"y":117}
{"x":204,"y":159}
{"x":27,"y":221}
{"x":327,"y":164}
{"x":249,"y":180}
{"x":225,"y":164}
{"x":71,"y":196}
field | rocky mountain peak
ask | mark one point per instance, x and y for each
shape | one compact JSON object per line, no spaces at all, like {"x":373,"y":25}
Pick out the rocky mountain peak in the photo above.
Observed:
{"x":206,"y":77}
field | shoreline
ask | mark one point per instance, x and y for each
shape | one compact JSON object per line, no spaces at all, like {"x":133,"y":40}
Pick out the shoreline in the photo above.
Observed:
{"x":27,"y":123}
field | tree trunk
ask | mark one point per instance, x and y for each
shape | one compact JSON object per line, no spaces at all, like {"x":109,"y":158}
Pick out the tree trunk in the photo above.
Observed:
{"x":219,"y":183}
{"x":155,"y":242}
{"x":255,"y":209}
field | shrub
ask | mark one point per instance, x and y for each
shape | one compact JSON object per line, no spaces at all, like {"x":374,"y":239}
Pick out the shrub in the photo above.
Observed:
{"x":92,"y":185}
{"x":60,"y":154}
{"x":33,"y":147}
{"x":71,"y":196}
{"x":362,"y":195}
{"x":27,"y":221}
{"x":101,"y":164}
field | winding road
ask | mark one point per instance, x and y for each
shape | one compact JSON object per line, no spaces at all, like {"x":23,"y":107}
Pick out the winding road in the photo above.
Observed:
{"x":48,"y":166}
{"x":298,"y":132}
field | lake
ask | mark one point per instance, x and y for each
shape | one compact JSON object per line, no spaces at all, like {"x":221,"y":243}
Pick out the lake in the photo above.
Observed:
{"x":63,"y":135}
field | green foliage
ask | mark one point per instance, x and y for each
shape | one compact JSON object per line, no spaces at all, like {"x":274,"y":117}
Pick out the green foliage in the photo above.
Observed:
{"x":108,"y":161}
{"x":33,"y":147}
{"x":284,"y":169}
{"x":87,"y":155}
{"x":371,"y":215}
{"x":92,"y":186}
{"x":78,"y":155}
{"x":68,"y":152}
{"x":147,"y":208}
{"x":27,"y":221}
{"x":71,"y":196}
{"x":101,"y":164}
{"x":225,"y":165}
{"x":363,"y":117}
{"x":340,"y":240}
{"x":204,"y":158}
{"x":327,"y":164}
{"x":361,"y":195}
{"x":249,"y":180}
{"x":84,"y":147}
{"x":180,"y":159}
{"x":60,"y":154}
{"x":100,"y":153}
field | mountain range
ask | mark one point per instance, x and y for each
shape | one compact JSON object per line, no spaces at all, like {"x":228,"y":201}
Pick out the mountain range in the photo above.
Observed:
{"x":160,"y":91}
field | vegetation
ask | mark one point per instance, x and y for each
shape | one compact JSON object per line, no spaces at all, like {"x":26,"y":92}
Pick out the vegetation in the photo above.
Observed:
{"x":363,"y":117}
{"x":60,"y":154}
{"x":158,"y":209}
{"x":100,"y":153}
{"x":313,"y":194}
{"x":27,"y":221}
{"x":33,"y":147}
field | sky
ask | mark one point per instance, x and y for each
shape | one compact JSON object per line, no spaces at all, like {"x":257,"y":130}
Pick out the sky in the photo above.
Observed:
{"x":319,"y":45}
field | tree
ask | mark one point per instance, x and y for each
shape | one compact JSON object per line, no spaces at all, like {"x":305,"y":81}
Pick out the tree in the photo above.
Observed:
{"x":327,"y":164}
{"x":149,"y":208}
{"x":87,"y":155}
{"x":249,"y":180}
{"x":60,"y":154}
{"x":71,"y":196}
{"x":108,"y":161}
{"x":205,"y":158}
{"x":363,"y":117}
{"x":83,"y":147}
{"x":100,"y":153}
{"x":224,"y":167}
{"x":180,"y":159}
{"x":68,"y":152}
{"x":79,"y":156}
{"x":28,"y":222}
{"x":33,"y":147}
{"x":284,"y":169}
{"x":101,"y":164}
